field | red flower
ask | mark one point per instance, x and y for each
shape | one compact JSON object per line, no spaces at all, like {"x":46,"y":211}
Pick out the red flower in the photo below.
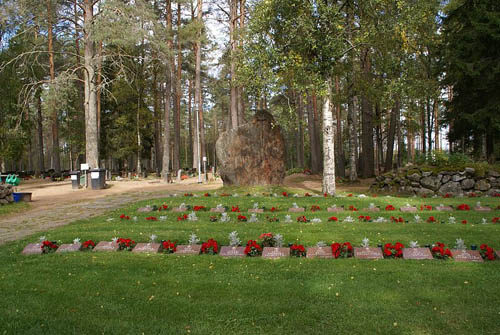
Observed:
{"x":182,"y":217}
{"x":447,"y":195}
{"x":389,"y":208}
{"x":431,"y":219}
{"x":495,"y":219}
{"x":302,"y":219}
{"x":206,"y":194}
{"x":273,"y":209}
{"x":210,"y":247}
{"x":426,"y":207}
{"x":464,"y":221}
{"x":88,"y":245}
{"x":151,"y":218}
{"x":242,"y":218}
{"x":342,"y":250}
{"x":349,"y":195}
{"x":266,"y":235}
{"x":315,"y":208}
{"x":199,"y":208}
{"x":124,"y":217}
{"x":285,"y":194}
{"x":297,"y":250}
{"x":165,"y":207}
{"x":393,"y":251}
{"x":307,"y":195}
{"x":472,"y":195}
{"x":463,"y":207}
{"x":235,"y":209}
{"x":168,"y":247}
{"x":253,"y":248}
{"x":333,"y":218}
{"x":352,"y":208}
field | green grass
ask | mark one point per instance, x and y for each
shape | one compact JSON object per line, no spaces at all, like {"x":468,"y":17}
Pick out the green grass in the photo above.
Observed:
{"x":14,"y":207}
{"x":129,"y":293}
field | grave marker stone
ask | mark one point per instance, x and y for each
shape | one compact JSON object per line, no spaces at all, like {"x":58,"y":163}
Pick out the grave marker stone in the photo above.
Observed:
{"x":296,"y":210}
{"x":417,"y":253}
{"x":372,"y":209}
{"x":319,"y":252}
{"x":147,"y":248}
{"x":69,"y":247}
{"x":228,"y":251}
{"x":466,"y":255}
{"x":107,"y":246}
{"x":33,"y":249}
{"x":273,"y":253}
{"x":444,"y":208}
{"x":407,"y":209}
{"x":335,"y":209}
{"x":218,"y":210}
{"x":368,"y":253}
{"x":255,"y":210}
{"x":190,"y":249}
{"x":482,"y":209}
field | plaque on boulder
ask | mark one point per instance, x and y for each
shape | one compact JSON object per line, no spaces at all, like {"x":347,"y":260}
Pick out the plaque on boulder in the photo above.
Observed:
{"x":335,"y":209}
{"x":147,"y":248}
{"x":272,"y":252}
{"x":417,"y":253}
{"x":466,"y":255}
{"x":69,"y":247}
{"x":228,"y":251}
{"x":407,"y":209}
{"x":319,"y":252}
{"x":444,"y":208}
{"x":255,"y":210}
{"x":368,"y":253}
{"x":107,"y":246}
{"x":218,"y":210}
{"x":296,"y":209}
{"x":482,"y":209}
{"x":190,"y":249}
{"x":253,"y":153}
{"x":33,"y":249}
{"x":146,"y":209}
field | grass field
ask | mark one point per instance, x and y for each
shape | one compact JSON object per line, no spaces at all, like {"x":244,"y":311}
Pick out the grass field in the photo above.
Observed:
{"x":140,"y":293}
{"x":14,"y":208}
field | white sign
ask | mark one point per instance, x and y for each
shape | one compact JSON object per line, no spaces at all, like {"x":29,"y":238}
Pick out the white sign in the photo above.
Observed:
{"x":204,"y":159}
{"x":94,"y":175}
{"x":74,"y":177}
{"x":84,"y":167}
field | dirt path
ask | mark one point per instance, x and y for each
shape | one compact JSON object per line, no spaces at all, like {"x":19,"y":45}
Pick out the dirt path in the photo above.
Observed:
{"x":56,"y":203}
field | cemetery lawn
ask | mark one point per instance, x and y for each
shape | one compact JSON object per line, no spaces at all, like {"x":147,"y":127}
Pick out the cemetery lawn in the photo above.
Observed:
{"x":14,"y":207}
{"x":125,"y":293}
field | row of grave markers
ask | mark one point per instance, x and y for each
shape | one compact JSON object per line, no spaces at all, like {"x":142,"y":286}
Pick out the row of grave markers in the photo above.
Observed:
{"x":268,"y":252}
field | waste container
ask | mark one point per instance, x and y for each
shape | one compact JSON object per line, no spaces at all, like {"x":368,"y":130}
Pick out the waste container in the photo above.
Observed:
{"x":12,"y":179}
{"x":98,"y":178}
{"x":75,"y":179}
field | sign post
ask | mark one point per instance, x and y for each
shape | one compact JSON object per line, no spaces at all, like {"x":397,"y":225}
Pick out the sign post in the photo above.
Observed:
{"x":85,"y":167}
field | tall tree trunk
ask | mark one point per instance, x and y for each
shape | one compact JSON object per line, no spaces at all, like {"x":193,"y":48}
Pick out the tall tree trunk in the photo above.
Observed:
{"x":367,"y":121}
{"x":390,"y":137}
{"x":91,"y":135}
{"x":199,"y":132}
{"x":233,"y":5}
{"x":339,"y":154}
{"x":400,"y":137}
{"x":437,"y":143}
{"x":178,"y":93}
{"x":328,"y":146}
{"x":312,"y":137}
{"x":52,"y":102}
{"x":99,"y":80}
{"x":168,"y":97}
{"x":423,"y":143}
{"x":351,"y":117}
{"x":157,"y":121}
{"x":241,"y":101}
{"x":39,"y":121}
{"x":300,"y":131}
{"x":190,"y":121}
{"x":429,"y":124}
{"x":317,"y":131}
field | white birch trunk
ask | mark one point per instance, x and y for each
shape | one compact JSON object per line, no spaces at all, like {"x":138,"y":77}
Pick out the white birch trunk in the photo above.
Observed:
{"x":328,"y":147}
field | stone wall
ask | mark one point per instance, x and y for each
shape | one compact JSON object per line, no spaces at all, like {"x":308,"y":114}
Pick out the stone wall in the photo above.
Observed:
{"x":413,"y":180}
{"x":6,"y":194}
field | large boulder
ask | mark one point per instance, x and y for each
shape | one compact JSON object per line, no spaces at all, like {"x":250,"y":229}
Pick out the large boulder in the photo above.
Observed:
{"x":253,"y":153}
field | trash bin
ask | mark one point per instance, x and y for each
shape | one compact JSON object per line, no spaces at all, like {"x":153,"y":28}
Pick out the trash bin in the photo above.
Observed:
{"x":75,"y":179}
{"x":98,"y":178}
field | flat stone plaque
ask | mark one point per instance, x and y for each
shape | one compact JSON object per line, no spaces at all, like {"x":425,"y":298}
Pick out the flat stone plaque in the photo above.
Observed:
{"x":69,"y":247}
{"x":33,"y":249}
{"x":106,"y":246}
{"x":374,"y":209}
{"x":466,"y":255}
{"x":271,"y":252}
{"x":217,"y":210}
{"x":368,"y":253}
{"x":179,"y":209}
{"x":147,"y":247}
{"x":498,"y":253}
{"x":190,"y":249}
{"x":417,"y":253}
{"x":228,"y":251}
{"x":319,"y":252}
{"x":296,"y":210}
{"x":482,"y":209}
{"x":335,"y":209}
{"x":444,"y":208}
{"x":145,"y":209}
{"x":408,"y":209}
{"x":255,"y":210}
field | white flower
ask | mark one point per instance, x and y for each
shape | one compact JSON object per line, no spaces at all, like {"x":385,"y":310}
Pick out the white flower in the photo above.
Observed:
{"x":109,"y":219}
{"x":366,"y":242}
{"x":288,"y":218}
{"x":294,"y":205}
{"x":225,"y":218}
{"x":478,"y":204}
{"x":417,"y":218}
{"x":153,"y":238}
{"x":193,"y":239}
{"x":349,"y":219}
{"x":361,"y":196}
{"x":321,"y":244}
{"x":235,"y":195}
{"x":316,"y":220}
{"x":183,"y":205}
{"x":134,"y":218}
{"x":372,"y":205}
{"x":414,"y":244}
{"x":407,"y":205}
{"x":42,"y":238}
{"x":484,"y":221}
{"x":279,"y":240}
{"x":114,"y":239}
{"x":163,"y":218}
{"x":295,"y":195}
{"x":379,"y":220}
{"x":451,"y":219}
{"x":192,"y":217}
{"x":219,"y":206}
{"x":234,"y":240}
{"x":253,"y":218}
{"x":256,"y":205}
{"x":76,"y":241}
{"x":460,"y":244}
